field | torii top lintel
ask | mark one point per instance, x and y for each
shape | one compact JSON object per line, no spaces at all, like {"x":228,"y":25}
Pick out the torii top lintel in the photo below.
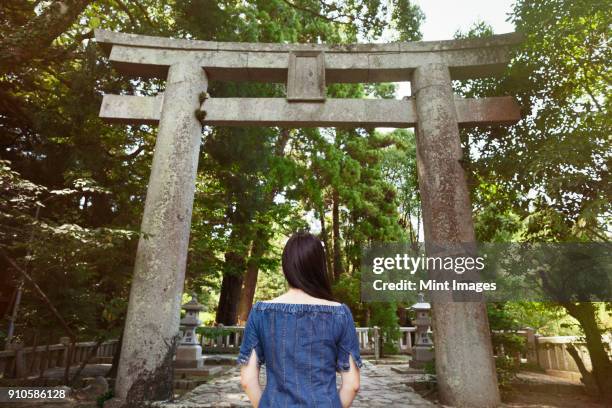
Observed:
{"x":306,"y":69}
{"x":151,"y":56}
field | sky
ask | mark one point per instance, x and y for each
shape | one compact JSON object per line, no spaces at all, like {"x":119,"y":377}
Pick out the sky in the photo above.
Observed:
{"x":444,"y":17}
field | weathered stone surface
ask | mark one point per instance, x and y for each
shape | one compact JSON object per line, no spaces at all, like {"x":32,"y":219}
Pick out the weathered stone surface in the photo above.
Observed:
{"x":107,"y":38}
{"x":306,"y":77}
{"x":145,"y":110}
{"x":151,"y":56}
{"x":152,"y":323}
{"x":198,"y":372}
{"x":189,"y":356}
{"x":502,"y":110}
{"x":333,"y":112}
{"x":464,"y":359}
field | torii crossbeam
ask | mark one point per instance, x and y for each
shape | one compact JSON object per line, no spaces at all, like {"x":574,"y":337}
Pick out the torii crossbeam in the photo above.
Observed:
{"x":464,"y":363}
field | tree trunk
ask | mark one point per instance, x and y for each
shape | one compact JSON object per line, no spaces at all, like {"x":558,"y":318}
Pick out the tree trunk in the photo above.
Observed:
{"x":337,"y":257}
{"x":587,"y":377}
{"x":227,"y":312}
{"x":325,"y":239}
{"x":26,"y":43}
{"x":352,"y":250}
{"x":250,"y":280}
{"x":584,"y":312}
{"x":101,"y":212}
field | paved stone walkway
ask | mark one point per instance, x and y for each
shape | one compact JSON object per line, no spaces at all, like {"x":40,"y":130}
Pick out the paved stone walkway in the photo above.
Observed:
{"x":380,"y":387}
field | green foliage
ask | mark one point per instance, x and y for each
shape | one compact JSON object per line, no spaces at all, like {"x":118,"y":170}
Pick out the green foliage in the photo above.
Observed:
{"x":272,"y":283}
{"x":544,"y":318}
{"x":430,"y":367}
{"x":400,"y":169}
{"x":104,"y":397}
{"x":213,"y":332}
{"x":407,"y":18}
{"x":348,"y":289}
{"x":68,"y":260}
{"x":385,"y":317}
{"x":511,"y":343}
{"x":506,"y":369}
{"x":553,"y":165}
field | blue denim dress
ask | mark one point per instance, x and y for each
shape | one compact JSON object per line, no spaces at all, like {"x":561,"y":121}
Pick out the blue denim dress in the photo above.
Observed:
{"x":302,"y":347}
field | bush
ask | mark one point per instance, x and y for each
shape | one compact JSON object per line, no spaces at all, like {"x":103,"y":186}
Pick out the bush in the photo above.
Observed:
{"x":506,"y":372}
{"x":213,"y":332}
{"x":512,"y":343}
{"x":430,"y":367}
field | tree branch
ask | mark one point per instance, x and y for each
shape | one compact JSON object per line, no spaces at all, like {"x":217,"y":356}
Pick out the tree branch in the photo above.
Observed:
{"x":40,"y":292}
{"x":315,"y":14}
{"x":26,"y":42}
{"x":128,"y":156}
{"x":145,"y":13}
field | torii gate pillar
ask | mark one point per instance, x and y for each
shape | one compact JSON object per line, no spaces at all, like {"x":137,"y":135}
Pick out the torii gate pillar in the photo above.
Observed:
{"x":463,"y":345}
{"x":152,"y":322}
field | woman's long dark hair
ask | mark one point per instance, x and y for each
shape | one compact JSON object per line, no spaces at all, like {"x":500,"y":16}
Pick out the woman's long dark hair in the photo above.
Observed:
{"x":304,"y":265}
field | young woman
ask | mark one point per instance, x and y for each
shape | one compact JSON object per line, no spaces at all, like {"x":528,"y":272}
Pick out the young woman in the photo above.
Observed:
{"x":302,"y":336}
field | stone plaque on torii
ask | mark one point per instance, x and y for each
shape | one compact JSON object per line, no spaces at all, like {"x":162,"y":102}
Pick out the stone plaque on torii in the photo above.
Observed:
{"x":464,"y":362}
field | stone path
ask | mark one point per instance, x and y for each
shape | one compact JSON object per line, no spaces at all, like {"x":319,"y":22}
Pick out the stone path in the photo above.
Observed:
{"x":380,"y":387}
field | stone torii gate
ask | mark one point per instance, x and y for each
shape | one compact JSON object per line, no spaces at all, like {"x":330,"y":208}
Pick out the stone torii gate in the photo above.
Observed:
{"x":464,"y":362}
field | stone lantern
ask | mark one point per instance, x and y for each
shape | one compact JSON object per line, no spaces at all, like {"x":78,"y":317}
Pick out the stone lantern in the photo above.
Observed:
{"x":189,"y":352}
{"x":422,"y":351}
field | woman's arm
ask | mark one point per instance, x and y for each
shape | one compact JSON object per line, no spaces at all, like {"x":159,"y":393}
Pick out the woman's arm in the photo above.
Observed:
{"x":249,"y":378}
{"x":350,"y":384}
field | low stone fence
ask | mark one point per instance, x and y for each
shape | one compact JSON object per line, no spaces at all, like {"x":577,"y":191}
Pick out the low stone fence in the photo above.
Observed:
{"x":369,"y":340}
{"x":550,"y":353}
{"x":22,"y":362}
{"x":221,"y":339}
{"x":227,"y":339}
{"x":405,"y":340}
{"x":553,"y":357}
